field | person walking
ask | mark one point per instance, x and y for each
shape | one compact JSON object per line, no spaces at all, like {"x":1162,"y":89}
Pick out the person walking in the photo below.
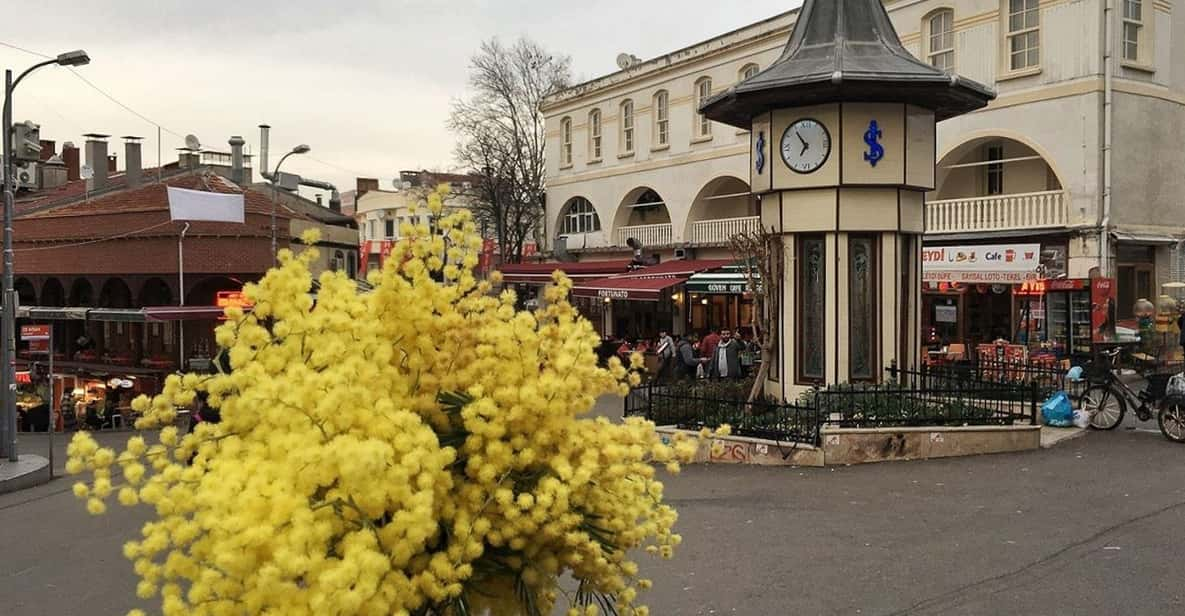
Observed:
{"x":666,"y":356}
{"x":707,"y":346}
{"x":725,"y":361}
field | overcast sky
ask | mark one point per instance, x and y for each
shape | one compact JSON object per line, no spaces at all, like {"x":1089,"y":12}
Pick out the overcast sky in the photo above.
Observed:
{"x":366,"y":83}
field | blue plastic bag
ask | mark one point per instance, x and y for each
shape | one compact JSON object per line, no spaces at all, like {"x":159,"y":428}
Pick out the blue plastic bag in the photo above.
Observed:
{"x":1058,"y":411}
{"x":1075,"y":373}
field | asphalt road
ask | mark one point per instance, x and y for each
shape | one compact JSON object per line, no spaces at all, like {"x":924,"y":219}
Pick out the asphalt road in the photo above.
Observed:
{"x":1091,"y":527}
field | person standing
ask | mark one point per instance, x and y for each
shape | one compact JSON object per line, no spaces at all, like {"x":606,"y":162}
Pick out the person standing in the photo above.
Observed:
{"x":725,"y":361}
{"x":707,"y":346}
{"x":666,"y":355}
{"x":688,"y":362}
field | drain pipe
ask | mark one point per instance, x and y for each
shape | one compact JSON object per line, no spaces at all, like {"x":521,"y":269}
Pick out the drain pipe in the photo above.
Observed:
{"x":181,"y":294}
{"x":1108,"y":133}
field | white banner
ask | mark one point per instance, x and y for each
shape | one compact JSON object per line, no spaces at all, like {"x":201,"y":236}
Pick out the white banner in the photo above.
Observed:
{"x":185,"y":204}
{"x":996,"y":263}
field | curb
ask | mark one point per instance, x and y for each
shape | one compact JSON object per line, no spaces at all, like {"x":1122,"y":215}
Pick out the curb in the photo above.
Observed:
{"x":28,"y":471}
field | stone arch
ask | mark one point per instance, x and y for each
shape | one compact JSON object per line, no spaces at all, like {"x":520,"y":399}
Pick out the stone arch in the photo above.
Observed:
{"x":155,"y":292}
{"x":953,"y":183}
{"x":25,"y":291}
{"x":53,"y":293}
{"x":723,"y":197}
{"x":643,"y":207}
{"x":115,"y":293}
{"x":204,"y":291}
{"x":578,"y":206}
{"x":82,"y":293}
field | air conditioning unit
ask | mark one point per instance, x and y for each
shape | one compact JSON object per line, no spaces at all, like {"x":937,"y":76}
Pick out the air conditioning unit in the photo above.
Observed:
{"x":26,"y":177}
{"x":684,"y":254}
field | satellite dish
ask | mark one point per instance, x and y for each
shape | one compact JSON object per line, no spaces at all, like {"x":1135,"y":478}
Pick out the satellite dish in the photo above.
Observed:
{"x":86,"y":172}
{"x":624,"y":60}
{"x":192,"y":143}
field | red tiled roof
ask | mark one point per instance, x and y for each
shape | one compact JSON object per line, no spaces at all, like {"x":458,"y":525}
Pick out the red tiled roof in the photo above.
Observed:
{"x":76,"y":190}
{"x":540,"y":273}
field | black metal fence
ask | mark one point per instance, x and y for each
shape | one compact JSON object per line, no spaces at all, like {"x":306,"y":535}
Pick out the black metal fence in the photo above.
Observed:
{"x":695,"y":405}
{"x":929,"y":398}
{"x":1048,"y":379}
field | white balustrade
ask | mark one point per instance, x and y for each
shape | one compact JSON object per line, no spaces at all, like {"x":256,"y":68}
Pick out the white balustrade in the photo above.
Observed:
{"x":721,"y":230}
{"x":998,"y":213}
{"x":649,"y":235}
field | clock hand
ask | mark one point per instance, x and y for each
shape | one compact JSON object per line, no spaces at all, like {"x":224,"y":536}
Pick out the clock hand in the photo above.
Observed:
{"x":805,"y":146}
{"x":799,"y":135}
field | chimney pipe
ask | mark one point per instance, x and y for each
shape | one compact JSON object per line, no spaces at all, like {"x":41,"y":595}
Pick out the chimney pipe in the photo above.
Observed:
{"x":364,"y":185}
{"x":264,"y":129}
{"x":319,"y":202}
{"x":335,"y":202}
{"x":131,"y":160}
{"x":70,"y":158}
{"x":236,"y":159}
{"x":48,"y":149}
{"x":96,"y":159}
{"x":112,"y":164}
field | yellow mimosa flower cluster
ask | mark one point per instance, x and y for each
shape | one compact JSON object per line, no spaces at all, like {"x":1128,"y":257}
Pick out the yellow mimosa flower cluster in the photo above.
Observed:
{"x":418,"y":449}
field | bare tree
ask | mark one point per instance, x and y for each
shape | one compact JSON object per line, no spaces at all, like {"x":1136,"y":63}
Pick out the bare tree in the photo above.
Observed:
{"x":760,"y":254}
{"x":501,"y":136}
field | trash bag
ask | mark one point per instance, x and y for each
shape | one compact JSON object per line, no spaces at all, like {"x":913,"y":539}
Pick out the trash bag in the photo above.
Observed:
{"x":1176,"y":385}
{"x":1081,"y":419}
{"x":1057,"y":410}
{"x":1074,"y":374}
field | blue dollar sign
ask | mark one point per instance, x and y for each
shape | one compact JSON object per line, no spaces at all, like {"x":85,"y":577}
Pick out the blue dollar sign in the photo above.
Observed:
{"x":760,"y":152}
{"x":875,"y":151}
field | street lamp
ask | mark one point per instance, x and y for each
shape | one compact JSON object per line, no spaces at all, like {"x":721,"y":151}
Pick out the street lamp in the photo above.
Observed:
{"x":8,"y":330}
{"x":300,"y":149}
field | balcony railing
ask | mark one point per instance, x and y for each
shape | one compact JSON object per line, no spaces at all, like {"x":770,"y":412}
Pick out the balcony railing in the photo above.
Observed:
{"x":998,"y":213}
{"x":721,"y":230}
{"x":649,"y":235}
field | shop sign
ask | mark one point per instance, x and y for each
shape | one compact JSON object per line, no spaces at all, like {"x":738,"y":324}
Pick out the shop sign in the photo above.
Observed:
{"x":35,"y":332}
{"x":988,"y":264}
{"x":613,"y":293}
{"x":1104,"y":303}
{"x":231,"y":299}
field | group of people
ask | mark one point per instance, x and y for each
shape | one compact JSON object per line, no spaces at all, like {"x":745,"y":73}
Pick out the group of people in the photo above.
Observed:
{"x":719,"y":355}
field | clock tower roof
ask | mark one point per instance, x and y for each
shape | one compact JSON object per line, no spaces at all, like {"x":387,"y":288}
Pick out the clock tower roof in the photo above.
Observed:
{"x":846,"y":50}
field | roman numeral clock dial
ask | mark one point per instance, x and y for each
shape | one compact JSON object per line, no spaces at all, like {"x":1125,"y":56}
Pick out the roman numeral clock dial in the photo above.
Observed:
{"x":806,"y":145}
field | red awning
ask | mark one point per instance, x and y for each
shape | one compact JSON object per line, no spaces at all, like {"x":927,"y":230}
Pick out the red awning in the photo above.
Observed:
{"x":646,"y":284}
{"x":540,"y":273}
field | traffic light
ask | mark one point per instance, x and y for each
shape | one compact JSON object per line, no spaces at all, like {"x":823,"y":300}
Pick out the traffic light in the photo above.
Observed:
{"x":26,"y":142}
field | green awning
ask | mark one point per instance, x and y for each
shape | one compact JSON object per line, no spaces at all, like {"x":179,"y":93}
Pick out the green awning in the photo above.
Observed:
{"x":729,"y":280}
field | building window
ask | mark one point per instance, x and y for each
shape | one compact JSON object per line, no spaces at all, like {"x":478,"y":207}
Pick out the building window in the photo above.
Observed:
{"x":862,"y":308}
{"x":941,"y":50}
{"x":994,"y":171}
{"x":351,"y":265}
{"x":390,"y":229}
{"x":580,"y":217}
{"x":1133,"y":29}
{"x":662,"y":118}
{"x":1024,"y":34}
{"x":748,"y":71}
{"x":566,"y":141}
{"x":627,"y":127}
{"x":594,"y":135}
{"x":339,"y":261}
{"x":811,"y":341}
{"x":370,"y":230}
{"x":703,"y":90}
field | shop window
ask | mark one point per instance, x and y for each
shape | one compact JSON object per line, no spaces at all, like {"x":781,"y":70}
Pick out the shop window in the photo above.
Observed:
{"x":390,"y":229}
{"x":811,"y":341}
{"x":773,"y":303}
{"x":994,"y":172}
{"x":862,"y":311}
{"x":905,"y":292}
{"x":1024,"y":34}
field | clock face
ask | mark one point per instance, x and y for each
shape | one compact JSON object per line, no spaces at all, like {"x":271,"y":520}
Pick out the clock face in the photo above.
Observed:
{"x":806,"y":144}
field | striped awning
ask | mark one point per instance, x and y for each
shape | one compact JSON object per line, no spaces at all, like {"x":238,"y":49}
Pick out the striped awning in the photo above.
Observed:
{"x":729,"y":280}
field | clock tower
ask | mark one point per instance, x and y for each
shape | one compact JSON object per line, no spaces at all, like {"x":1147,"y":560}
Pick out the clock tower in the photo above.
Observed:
{"x":843,"y":151}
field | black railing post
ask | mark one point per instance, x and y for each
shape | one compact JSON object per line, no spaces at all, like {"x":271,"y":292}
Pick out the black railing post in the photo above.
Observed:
{"x":1033,"y":404}
{"x":650,"y":400}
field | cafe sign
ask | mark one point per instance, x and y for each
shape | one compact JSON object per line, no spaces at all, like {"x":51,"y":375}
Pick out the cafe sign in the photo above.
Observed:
{"x":986,"y":264}
{"x":613,"y":293}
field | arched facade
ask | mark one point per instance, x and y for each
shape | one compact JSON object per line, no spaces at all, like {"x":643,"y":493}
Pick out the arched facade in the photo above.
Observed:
{"x":643,"y":215}
{"x":155,"y":292}
{"x":53,"y":293}
{"x":723,"y":207}
{"x":26,"y":292}
{"x":115,"y":293}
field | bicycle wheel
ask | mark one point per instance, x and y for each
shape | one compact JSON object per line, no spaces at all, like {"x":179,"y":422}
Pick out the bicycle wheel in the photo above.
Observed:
{"x":1172,"y":419}
{"x":1105,"y":407}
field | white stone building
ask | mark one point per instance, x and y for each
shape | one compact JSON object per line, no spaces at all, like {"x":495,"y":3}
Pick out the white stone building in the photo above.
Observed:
{"x":1081,"y":152}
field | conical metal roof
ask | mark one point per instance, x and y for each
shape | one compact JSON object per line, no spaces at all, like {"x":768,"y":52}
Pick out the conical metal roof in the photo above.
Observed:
{"x":846,"y":50}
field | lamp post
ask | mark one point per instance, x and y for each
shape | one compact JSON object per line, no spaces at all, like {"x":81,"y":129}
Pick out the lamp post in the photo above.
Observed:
{"x":300,"y":149}
{"x":8,"y":331}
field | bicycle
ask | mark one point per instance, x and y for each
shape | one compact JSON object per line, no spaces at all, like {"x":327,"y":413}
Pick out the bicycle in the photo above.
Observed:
{"x":1107,"y":398}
